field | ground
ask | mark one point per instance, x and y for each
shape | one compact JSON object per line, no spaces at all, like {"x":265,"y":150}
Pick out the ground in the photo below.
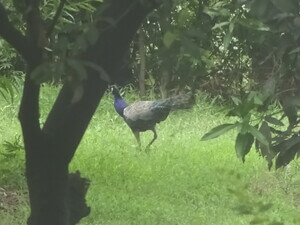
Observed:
{"x":182,"y":180}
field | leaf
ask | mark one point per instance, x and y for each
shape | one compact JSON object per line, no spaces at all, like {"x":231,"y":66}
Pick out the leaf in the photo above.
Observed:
{"x":266,"y":131}
{"x":287,"y":155}
{"x":287,"y":144}
{"x":219,"y":25}
{"x":274,"y":121}
{"x":236,"y":100}
{"x":228,"y":36}
{"x":287,"y":150}
{"x":258,"y":99}
{"x":169,"y":38}
{"x":246,"y":108}
{"x":266,"y":151}
{"x":214,"y":12}
{"x":4,"y":96}
{"x":253,"y":24}
{"x":7,"y":85}
{"x":243,"y":145}
{"x":290,"y":111}
{"x":10,"y":90}
{"x":258,"y":135}
{"x":219,"y":130}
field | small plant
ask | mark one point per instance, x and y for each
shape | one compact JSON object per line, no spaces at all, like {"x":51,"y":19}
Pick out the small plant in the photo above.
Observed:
{"x":11,"y":149}
{"x":12,"y":163}
{"x":9,"y":87}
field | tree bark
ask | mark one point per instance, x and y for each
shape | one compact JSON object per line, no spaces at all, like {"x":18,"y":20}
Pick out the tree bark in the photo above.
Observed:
{"x":142,"y":54}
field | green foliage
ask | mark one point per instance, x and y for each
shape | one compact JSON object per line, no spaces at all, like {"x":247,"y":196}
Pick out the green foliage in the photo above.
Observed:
{"x":271,"y":142}
{"x":12,"y":162}
{"x":8,"y":87}
{"x":243,"y":144}
{"x":177,"y":45}
{"x":274,"y":46}
{"x":74,"y":31}
{"x":219,"y":130}
{"x":11,"y":149}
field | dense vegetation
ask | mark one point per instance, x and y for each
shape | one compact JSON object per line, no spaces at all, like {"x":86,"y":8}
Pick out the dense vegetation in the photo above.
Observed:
{"x":244,"y":55}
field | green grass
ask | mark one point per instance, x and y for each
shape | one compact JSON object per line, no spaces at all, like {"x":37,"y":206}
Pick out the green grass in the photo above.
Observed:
{"x":181,"y":181}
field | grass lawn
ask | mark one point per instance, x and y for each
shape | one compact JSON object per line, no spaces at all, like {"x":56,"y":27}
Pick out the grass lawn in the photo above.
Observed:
{"x":182,"y":180}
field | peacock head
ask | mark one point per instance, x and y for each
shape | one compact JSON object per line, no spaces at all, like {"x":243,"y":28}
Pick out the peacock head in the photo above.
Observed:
{"x":119,"y":103}
{"x":115,"y":91}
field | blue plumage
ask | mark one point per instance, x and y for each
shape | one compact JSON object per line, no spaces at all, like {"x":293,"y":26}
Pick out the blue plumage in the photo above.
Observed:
{"x":144,"y":115}
{"x":120,"y":105}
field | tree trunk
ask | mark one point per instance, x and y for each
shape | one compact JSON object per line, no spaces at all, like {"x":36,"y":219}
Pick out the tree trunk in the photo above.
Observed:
{"x":56,"y":197}
{"x":142,"y":54}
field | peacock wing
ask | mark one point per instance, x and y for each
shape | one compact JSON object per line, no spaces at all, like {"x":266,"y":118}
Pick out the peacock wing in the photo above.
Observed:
{"x":139,"y":111}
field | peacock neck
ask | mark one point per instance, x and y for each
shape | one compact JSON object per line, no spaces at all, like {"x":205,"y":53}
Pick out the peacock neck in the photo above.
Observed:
{"x":120,"y":105}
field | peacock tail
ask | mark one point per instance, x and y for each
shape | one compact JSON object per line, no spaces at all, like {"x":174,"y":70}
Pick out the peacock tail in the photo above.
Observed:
{"x":183,"y":101}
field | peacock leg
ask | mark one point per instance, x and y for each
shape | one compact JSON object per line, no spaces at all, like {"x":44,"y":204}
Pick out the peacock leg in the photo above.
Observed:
{"x":137,"y":136}
{"x":154,"y":138}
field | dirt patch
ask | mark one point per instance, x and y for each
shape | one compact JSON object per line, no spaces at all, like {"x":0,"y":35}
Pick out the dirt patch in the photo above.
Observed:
{"x":10,"y":199}
{"x":264,"y":184}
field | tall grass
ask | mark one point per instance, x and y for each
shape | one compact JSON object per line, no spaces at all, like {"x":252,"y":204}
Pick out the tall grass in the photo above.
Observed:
{"x":180,"y":181}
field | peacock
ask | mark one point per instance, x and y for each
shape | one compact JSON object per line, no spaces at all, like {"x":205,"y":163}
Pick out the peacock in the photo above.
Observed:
{"x":144,"y":115}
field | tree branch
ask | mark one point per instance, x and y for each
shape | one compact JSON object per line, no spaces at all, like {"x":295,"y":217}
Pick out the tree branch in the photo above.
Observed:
{"x":29,"y":113}
{"x":14,"y":36}
{"x":29,"y":108}
{"x":35,"y":25}
{"x":55,"y":18}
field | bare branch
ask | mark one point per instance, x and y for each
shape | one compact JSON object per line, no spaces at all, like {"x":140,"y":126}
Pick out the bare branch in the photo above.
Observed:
{"x":13,"y":36}
{"x":55,"y":18}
